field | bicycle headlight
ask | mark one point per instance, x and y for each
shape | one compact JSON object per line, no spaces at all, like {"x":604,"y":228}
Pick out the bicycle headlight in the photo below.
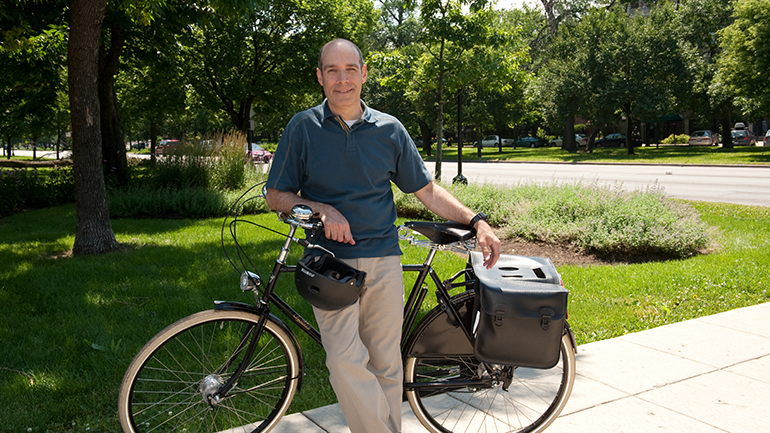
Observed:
{"x":250,"y":281}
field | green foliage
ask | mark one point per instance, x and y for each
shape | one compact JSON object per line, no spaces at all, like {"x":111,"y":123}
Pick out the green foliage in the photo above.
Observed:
{"x":195,"y":180}
{"x":745,"y":59}
{"x":676,"y":139}
{"x":144,"y":202}
{"x":25,"y":188}
{"x":264,"y":57}
{"x":228,"y":169}
{"x":591,"y":217}
{"x":218,"y":162}
{"x":608,"y":64}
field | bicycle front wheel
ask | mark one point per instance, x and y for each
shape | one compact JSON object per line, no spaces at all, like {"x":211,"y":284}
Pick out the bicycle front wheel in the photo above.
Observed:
{"x":458,"y":393}
{"x":172,"y":383}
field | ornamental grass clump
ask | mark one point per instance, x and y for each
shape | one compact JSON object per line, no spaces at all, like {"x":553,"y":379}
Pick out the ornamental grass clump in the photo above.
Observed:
{"x":196,"y":180}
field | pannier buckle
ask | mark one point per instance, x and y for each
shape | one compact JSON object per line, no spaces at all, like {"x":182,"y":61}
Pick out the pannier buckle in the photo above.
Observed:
{"x":545,"y":318}
{"x":499,"y":314}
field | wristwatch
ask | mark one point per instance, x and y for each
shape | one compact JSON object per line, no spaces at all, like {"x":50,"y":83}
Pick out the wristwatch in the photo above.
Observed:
{"x":479,"y":216}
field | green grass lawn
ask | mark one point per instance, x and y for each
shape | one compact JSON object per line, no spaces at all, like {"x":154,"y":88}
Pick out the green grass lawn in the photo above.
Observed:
{"x":740,"y":155}
{"x":70,"y":325}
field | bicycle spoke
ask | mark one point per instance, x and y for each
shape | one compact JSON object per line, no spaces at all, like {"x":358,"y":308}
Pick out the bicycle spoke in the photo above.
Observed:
{"x":175,"y":388}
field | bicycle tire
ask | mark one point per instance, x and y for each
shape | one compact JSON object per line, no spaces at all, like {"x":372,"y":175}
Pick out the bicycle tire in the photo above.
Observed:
{"x":163,"y":389}
{"x":534,"y":399}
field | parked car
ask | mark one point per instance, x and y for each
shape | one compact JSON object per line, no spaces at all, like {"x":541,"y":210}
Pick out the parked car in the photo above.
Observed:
{"x":492,"y":141}
{"x":703,"y":138}
{"x":530,"y":141}
{"x":166,"y":146}
{"x":580,"y":140}
{"x":743,"y":137}
{"x":259,"y":155}
{"x":767,"y":139}
{"x":615,"y":139}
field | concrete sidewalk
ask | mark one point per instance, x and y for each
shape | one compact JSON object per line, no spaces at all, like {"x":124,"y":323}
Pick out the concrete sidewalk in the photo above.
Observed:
{"x":705,"y":375}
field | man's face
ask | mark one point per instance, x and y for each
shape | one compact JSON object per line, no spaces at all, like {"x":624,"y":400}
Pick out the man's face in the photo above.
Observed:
{"x":341,"y":77}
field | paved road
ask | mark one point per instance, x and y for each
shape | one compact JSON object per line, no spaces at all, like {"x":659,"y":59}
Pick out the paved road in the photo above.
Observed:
{"x":748,"y":184}
{"x":730,"y":184}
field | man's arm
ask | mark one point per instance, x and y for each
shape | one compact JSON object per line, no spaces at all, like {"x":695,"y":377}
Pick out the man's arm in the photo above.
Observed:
{"x":439,"y":201}
{"x":336,"y":226}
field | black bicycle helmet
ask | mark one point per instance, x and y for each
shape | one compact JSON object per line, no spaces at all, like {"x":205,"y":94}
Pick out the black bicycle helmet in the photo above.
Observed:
{"x":328,"y":283}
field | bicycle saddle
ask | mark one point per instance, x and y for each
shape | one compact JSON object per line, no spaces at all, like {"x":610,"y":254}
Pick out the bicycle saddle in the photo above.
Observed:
{"x":442,"y":233}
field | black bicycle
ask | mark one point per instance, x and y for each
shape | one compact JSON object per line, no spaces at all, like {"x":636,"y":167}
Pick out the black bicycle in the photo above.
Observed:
{"x":236,"y":367}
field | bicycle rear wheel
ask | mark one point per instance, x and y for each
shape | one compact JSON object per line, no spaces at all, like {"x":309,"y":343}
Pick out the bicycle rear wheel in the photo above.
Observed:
{"x":458,"y":393}
{"x":171,"y":384}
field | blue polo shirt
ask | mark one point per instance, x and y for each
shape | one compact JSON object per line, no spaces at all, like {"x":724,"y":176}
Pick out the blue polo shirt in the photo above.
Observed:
{"x":350,"y":168}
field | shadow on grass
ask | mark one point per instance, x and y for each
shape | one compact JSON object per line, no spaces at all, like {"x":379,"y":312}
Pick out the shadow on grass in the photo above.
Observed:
{"x":75,"y":323}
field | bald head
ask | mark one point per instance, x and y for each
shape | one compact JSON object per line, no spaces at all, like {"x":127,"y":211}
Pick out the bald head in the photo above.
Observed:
{"x":340,"y":41}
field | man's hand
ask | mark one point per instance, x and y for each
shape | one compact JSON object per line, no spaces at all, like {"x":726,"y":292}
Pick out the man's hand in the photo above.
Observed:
{"x":336,"y":226}
{"x":489,"y":243}
{"x":445,"y":205}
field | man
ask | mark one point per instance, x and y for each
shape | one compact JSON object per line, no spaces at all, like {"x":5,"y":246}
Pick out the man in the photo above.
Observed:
{"x":342,"y":156}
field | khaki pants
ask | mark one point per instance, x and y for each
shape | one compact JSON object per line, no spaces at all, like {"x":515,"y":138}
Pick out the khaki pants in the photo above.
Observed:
{"x":363,"y":353}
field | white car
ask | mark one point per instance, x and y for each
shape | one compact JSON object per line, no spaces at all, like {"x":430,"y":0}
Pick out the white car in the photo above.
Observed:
{"x":766,"y":142}
{"x":703,"y":138}
{"x":580,"y":140}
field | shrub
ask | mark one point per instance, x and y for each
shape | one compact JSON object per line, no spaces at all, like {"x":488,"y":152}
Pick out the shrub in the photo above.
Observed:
{"x":593,"y":217}
{"x":23,"y":188}
{"x":676,"y":139}
{"x":146,"y":201}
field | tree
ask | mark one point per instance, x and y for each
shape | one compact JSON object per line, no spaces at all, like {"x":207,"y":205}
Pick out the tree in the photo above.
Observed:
{"x":151,"y":91}
{"x":454,"y":51}
{"x":31,"y":62}
{"x":709,"y":98}
{"x":262,"y":59}
{"x":563,"y":81}
{"x":93,"y":231}
{"x":744,"y":64}
{"x":618,"y":65}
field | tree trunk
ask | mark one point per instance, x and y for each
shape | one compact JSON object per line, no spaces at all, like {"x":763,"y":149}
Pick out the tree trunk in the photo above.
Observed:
{"x":727,"y":136}
{"x":440,"y":120}
{"x":477,"y":131}
{"x":113,"y":142}
{"x":153,"y":139}
{"x":93,"y":231}
{"x":425,"y":132}
{"x":460,"y":178}
{"x":568,"y":140}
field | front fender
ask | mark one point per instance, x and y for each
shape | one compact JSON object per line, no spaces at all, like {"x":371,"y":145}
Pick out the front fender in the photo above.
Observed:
{"x":257,"y":311}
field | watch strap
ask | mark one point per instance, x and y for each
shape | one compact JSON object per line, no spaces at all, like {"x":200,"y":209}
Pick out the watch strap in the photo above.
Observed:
{"x":478,"y":217}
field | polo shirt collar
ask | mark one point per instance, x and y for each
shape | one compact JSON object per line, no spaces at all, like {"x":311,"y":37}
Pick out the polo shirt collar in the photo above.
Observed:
{"x":368,"y":115}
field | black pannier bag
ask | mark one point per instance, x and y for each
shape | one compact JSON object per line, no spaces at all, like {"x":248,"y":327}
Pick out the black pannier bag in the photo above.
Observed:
{"x":522,"y":307}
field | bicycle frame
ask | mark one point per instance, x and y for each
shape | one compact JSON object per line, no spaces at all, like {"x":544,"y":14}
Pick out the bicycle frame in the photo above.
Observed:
{"x":411,"y":307}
